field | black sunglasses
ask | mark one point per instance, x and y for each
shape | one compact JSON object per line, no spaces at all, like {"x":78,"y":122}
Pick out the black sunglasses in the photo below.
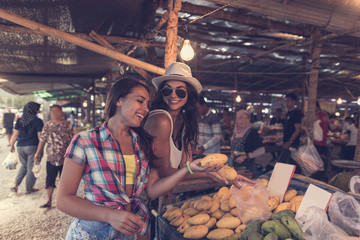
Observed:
{"x":166,"y":91}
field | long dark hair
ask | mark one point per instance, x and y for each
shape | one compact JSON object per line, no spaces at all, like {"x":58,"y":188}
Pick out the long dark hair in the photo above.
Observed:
{"x":189,"y":112}
{"x":119,"y":90}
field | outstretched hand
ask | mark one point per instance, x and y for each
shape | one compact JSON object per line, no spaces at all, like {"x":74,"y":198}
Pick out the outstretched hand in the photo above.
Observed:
{"x":196,"y":167}
{"x":240,"y":181}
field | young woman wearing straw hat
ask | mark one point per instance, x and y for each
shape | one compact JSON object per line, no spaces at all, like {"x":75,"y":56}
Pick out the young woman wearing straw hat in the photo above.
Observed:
{"x":173,"y":121}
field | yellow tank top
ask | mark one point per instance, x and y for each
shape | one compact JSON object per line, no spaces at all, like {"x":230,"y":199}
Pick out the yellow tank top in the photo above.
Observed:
{"x":130,"y":165}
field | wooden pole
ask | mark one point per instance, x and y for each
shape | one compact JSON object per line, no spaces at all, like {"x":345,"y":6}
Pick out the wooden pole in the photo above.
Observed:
{"x":357,"y":150}
{"x":174,"y":7}
{"x":315,"y":51}
{"x":79,"y":42}
{"x":303,"y":91}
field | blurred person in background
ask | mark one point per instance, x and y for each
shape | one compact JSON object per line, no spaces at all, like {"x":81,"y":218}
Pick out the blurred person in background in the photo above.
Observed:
{"x":292,"y":129}
{"x":226,"y":127}
{"x":8,"y":123}
{"x":210,"y":136}
{"x":57,"y":134}
{"x":246,"y":143}
{"x":277,"y":119}
{"x":352,"y":130}
{"x":27,"y":132}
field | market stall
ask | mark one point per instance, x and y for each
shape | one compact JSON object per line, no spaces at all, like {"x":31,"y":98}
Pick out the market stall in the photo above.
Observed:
{"x":299,"y":184}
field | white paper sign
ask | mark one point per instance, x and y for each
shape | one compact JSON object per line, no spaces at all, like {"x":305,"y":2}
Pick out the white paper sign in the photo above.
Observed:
{"x":314,"y":197}
{"x":280,"y":179}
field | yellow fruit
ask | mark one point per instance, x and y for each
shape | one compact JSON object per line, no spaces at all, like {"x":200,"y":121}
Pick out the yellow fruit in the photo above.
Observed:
{"x":222,"y":191}
{"x":214,"y":158}
{"x":229,"y":222}
{"x":169,"y":211}
{"x":176,"y":213}
{"x":265,"y":181}
{"x":206,"y":198}
{"x":289,"y":195}
{"x":191,"y":212}
{"x":240,"y":228}
{"x":196,"y":232}
{"x":199,"y":219}
{"x":185,"y":205}
{"x":179,"y":220}
{"x":232,"y":202}
{"x":183,"y":227}
{"x":218,"y":214}
{"x":297,"y":198}
{"x":234,"y":212}
{"x":202,"y":205}
{"x":211,"y":222}
{"x":225,"y":206}
{"x":282,"y":206}
{"x":226,"y":215}
{"x":295,"y":206}
{"x":192,"y":204}
{"x":219,"y":234}
{"x":252,"y":214}
{"x":215,"y":206}
{"x":228,"y":173}
{"x":273,"y":202}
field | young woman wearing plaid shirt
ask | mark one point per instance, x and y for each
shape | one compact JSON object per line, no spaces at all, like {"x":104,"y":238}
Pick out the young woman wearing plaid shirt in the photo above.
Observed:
{"x":113,"y":161}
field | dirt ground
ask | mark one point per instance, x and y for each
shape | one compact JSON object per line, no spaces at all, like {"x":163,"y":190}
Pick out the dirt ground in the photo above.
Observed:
{"x":20,"y":215}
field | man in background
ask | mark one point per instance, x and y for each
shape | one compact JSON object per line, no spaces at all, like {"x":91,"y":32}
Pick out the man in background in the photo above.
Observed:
{"x":209,"y":130}
{"x":8,"y":123}
{"x":292,"y":128}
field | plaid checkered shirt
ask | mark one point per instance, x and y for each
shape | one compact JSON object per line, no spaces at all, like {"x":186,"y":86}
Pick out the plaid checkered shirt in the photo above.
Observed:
{"x":105,"y":171}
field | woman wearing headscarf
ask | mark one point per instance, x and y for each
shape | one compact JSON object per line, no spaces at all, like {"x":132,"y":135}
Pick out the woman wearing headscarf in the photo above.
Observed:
{"x":27,"y":131}
{"x":246,"y":143}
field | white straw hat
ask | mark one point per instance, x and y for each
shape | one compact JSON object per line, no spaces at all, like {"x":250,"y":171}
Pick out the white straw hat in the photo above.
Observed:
{"x":180,"y":72}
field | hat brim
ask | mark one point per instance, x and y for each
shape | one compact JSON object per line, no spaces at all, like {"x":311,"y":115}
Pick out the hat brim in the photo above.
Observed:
{"x":193,"y":81}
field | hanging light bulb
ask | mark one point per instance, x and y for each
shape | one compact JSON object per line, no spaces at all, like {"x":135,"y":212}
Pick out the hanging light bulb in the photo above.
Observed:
{"x":358,"y":101}
{"x":238,"y":99}
{"x":339,"y":101}
{"x":187,"y":52}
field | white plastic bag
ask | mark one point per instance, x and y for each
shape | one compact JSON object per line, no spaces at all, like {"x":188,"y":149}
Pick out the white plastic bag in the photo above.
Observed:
{"x":308,"y":158}
{"x":318,"y":132}
{"x":36,"y":170}
{"x":315,"y":225}
{"x":11,"y":161}
{"x":252,"y":202}
{"x":344,"y":211}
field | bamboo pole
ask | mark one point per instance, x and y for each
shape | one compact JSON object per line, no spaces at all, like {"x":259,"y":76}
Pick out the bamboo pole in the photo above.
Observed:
{"x":79,"y":42}
{"x":106,"y":44}
{"x":315,"y":51}
{"x":174,"y":7}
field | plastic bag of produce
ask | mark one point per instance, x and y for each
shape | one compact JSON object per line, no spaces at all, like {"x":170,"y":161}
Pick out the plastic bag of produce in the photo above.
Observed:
{"x":344,"y":211}
{"x":315,"y":225}
{"x":308,"y":158}
{"x":252,"y":202}
{"x":11,"y":161}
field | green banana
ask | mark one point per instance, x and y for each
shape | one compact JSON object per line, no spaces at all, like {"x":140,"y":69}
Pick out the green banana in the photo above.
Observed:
{"x":253,"y":226}
{"x":293,"y":226}
{"x":235,"y":236}
{"x":271,"y":236}
{"x":251,"y":236}
{"x":276,"y":227}
{"x":279,"y":215}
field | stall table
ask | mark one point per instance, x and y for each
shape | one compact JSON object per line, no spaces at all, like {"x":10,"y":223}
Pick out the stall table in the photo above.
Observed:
{"x":165,"y":231}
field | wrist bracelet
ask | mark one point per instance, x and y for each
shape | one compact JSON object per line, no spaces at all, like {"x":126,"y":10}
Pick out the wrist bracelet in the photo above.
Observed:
{"x":189,"y":168}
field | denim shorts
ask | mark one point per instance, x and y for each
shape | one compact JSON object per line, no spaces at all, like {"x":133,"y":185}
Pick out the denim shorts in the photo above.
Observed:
{"x":94,"y":230}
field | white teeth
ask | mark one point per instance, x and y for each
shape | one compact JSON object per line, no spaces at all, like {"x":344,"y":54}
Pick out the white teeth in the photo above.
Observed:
{"x":140,"y":116}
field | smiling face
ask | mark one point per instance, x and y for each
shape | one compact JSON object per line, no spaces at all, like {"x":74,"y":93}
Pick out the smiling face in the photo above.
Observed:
{"x":242,"y":120}
{"x":133,"y":108}
{"x":174,"y":102}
